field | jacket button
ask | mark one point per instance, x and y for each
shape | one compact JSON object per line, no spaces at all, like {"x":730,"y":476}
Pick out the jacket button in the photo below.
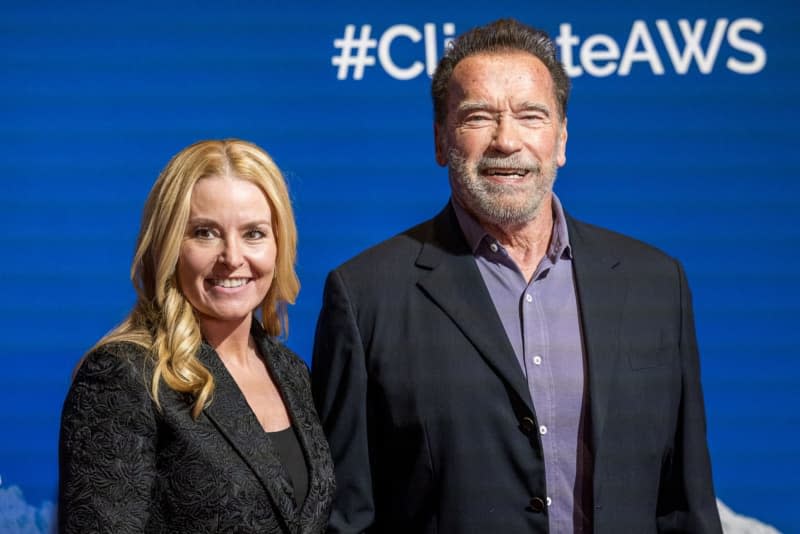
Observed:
{"x":528,"y":425}
{"x":537,"y":504}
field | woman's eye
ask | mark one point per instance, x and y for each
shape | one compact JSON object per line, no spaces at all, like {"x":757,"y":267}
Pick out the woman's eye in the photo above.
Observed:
{"x":255,"y":234}
{"x":203,"y":233}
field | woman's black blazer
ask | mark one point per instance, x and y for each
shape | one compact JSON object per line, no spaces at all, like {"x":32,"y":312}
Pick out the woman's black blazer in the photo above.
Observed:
{"x":127,"y":466}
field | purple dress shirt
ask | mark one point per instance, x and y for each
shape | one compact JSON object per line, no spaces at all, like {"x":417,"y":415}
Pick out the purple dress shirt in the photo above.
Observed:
{"x":541,"y":320}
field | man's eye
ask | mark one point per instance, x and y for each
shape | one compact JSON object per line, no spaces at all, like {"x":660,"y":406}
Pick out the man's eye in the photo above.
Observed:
{"x":477,"y":119}
{"x":535,"y":117}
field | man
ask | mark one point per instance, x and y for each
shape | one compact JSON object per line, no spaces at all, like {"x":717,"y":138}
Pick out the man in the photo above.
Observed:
{"x":504,"y":368}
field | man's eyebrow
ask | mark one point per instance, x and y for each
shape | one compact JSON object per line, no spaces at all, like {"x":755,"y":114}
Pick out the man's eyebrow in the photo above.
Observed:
{"x":467,"y":107}
{"x":533,"y":106}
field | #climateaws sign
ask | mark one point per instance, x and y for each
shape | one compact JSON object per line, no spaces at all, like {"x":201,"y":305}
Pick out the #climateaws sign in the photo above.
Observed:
{"x":658,"y":46}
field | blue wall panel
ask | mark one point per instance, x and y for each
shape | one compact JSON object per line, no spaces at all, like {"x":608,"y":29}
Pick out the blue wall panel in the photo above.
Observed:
{"x":702,"y":162}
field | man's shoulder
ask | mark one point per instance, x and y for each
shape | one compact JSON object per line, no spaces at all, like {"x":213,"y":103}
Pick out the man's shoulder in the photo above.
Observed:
{"x":612,"y":243}
{"x":392,"y":254}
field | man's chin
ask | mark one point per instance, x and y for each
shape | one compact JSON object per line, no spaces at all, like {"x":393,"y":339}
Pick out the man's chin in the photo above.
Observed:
{"x":506,"y":216}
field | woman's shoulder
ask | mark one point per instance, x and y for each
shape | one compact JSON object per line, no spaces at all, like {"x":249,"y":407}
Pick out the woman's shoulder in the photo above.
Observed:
{"x":282,"y":355}
{"x":278,"y":353}
{"x":110,"y":383}
{"x":114,"y":358}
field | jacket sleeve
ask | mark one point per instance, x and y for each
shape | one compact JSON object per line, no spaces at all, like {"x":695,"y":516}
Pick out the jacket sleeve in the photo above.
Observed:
{"x":106,"y":447}
{"x":339,"y":384}
{"x":686,"y":499}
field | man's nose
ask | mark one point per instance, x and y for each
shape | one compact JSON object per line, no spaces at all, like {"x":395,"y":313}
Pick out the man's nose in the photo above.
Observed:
{"x":506,"y":138}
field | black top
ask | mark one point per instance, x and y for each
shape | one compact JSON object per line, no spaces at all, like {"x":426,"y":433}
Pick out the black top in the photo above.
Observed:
{"x":293,"y":461}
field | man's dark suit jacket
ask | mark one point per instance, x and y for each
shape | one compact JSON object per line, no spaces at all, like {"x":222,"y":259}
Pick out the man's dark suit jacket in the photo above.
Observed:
{"x":128,"y":467}
{"x":429,"y":418}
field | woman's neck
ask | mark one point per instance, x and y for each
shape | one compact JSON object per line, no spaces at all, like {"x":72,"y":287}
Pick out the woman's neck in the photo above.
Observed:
{"x":232,"y":341}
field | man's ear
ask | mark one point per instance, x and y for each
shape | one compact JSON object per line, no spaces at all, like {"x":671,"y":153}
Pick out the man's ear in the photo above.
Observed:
{"x":562,"y":154}
{"x":440,"y":143}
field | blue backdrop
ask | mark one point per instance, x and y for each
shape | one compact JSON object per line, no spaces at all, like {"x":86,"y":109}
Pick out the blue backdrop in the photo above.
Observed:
{"x":682,"y":132}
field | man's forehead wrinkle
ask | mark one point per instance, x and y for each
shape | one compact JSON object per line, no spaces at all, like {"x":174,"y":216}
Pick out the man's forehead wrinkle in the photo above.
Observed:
{"x":481,"y":104}
{"x":481,"y":77}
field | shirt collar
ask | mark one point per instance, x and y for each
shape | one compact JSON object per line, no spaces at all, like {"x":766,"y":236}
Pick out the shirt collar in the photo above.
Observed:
{"x":477,"y":236}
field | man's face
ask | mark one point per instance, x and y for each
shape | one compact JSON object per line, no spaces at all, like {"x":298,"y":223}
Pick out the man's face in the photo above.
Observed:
{"x":502,"y":138}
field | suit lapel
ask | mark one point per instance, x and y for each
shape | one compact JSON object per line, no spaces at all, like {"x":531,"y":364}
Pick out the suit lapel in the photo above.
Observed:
{"x":601,"y":287}
{"x":308,"y":432}
{"x":235,"y":420}
{"x":455,"y":284}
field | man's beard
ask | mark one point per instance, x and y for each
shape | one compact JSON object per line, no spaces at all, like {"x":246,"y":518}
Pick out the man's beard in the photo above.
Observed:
{"x":507,"y":204}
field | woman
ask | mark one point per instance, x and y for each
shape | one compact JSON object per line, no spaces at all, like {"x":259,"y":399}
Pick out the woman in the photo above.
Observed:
{"x":190,"y":416}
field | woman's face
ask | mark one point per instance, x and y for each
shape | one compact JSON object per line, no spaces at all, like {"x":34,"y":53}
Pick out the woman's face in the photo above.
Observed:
{"x":227,"y":257}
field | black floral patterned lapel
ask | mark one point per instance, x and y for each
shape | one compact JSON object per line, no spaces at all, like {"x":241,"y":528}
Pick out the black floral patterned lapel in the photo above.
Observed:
{"x":292,"y":379}
{"x":234,"y":419}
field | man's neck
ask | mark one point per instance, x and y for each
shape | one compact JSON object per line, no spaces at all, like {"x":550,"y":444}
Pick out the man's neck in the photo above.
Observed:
{"x":526,"y":243}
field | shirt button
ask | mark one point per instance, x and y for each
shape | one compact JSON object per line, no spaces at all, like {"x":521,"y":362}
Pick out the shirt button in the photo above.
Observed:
{"x":493,"y":247}
{"x":537,"y":360}
{"x":543,"y":430}
{"x":528,"y":297}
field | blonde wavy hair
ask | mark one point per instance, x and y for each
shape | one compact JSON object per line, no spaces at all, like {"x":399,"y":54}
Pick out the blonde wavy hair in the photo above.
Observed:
{"x":162,"y":320}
